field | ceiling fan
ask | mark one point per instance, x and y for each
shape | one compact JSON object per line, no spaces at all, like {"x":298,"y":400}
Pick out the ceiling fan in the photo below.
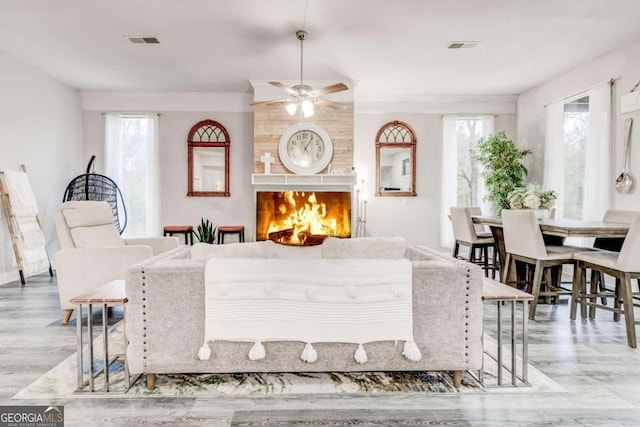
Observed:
{"x":302,"y":97}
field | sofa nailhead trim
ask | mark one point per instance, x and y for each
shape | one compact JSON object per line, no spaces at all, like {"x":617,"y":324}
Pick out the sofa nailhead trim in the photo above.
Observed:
{"x":466,"y":316}
{"x":144,"y":320}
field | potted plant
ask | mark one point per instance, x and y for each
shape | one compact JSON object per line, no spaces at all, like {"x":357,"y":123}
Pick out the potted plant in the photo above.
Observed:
{"x":205,"y":232}
{"x":503,"y":170}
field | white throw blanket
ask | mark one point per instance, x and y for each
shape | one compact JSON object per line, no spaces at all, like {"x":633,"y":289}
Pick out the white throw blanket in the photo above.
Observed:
{"x":23,"y":201}
{"x":30,"y":238}
{"x":308,"y":300}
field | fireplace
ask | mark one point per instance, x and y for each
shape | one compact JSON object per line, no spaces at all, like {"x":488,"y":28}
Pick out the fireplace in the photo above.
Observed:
{"x":302,"y":218}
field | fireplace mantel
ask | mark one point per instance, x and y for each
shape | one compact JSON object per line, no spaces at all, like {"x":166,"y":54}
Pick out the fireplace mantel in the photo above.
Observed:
{"x":298,"y":180}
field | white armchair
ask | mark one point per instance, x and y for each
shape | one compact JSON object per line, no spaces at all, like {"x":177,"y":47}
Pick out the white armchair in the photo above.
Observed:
{"x":93,"y":253}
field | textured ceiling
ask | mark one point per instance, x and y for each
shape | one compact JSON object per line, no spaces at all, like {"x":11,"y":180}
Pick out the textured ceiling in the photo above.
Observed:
{"x":389,"y":47}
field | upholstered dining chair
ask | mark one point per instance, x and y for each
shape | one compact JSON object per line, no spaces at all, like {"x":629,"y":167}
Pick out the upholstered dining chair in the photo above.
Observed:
{"x":611,"y":244}
{"x":623,"y":266}
{"x":524,"y":242}
{"x":467,"y":234}
{"x":92,"y":251}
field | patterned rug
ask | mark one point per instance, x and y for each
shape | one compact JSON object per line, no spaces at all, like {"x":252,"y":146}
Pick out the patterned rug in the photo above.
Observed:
{"x":61,"y":381}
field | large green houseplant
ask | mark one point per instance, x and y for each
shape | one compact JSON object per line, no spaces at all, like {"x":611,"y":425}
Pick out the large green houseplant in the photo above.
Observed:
{"x":503,"y":168}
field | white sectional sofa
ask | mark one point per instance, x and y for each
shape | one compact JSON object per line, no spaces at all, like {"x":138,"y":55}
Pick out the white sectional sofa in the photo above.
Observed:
{"x":166,"y":311}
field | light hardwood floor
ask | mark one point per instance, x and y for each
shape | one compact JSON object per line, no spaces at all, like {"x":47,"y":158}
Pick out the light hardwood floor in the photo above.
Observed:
{"x":589,"y":359}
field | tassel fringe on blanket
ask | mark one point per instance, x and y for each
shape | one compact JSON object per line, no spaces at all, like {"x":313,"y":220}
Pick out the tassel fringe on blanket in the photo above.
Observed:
{"x":310,"y":355}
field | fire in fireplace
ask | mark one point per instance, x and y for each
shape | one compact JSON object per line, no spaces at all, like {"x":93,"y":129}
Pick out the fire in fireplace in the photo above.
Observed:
{"x":302,"y":218}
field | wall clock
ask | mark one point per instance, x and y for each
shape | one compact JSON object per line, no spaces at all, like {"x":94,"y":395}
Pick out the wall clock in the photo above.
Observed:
{"x":305,"y":148}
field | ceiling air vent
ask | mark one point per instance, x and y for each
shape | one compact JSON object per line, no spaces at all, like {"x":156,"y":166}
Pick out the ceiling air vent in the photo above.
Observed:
{"x":142,"y":40}
{"x":462,"y":45}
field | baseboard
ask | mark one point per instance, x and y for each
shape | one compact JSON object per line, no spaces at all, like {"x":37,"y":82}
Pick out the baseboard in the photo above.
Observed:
{"x":8,"y":277}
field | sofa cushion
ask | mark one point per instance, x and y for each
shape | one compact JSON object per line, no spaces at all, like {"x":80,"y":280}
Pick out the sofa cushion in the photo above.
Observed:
{"x":99,"y":236}
{"x":87,"y":213}
{"x":203,"y":251}
{"x":364,"y":247}
{"x":295,"y":252}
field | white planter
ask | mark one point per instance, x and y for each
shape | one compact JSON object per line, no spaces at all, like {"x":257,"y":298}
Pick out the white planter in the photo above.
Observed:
{"x":543,"y":213}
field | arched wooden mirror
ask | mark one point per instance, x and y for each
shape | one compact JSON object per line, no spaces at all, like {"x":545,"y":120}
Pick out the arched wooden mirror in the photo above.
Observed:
{"x":396,"y":160}
{"x":208,"y":143}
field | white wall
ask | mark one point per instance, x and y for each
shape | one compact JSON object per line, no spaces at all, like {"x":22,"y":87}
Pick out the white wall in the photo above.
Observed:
{"x":40,"y":127}
{"x":623,"y":65}
{"x":176,"y":207}
{"x":415,"y":218}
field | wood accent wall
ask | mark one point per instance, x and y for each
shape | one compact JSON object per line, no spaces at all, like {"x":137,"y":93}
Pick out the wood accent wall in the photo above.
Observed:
{"x":270,"y":122}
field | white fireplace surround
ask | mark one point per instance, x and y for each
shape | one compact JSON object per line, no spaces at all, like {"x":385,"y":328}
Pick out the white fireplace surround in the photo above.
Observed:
{"x":308,"y":183}
{"x":285,"y":182}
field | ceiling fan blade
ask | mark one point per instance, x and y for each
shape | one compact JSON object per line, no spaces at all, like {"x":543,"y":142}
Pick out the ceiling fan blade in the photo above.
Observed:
{"x":273,"y":101}
{"x":338,"y":87}
{"x":284,"y":88}
{"x":330,"y":104}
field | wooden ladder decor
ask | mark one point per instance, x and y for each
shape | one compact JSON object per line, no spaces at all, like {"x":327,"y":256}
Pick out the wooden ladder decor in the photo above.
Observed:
{"x":6,"y":207}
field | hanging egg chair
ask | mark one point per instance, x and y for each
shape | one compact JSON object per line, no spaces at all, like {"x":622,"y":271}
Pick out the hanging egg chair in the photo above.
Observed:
{"x":93,"y":186}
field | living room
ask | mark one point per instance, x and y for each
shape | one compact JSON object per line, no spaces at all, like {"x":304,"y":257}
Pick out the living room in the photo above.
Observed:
{"x":65,"y":65}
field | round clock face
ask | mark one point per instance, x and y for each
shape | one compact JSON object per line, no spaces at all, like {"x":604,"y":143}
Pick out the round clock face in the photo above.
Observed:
{"x":305,"y":149}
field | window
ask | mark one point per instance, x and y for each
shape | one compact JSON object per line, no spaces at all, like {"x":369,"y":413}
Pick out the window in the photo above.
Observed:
{"x":576,"y":153}
{"x":462,"y":184}
{"x":132,"y":161}
{"x":576,"y":132}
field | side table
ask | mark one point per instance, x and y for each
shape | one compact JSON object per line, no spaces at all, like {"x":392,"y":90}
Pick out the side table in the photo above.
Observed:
{"x":493,"y":290}
{"x":108,"y":295}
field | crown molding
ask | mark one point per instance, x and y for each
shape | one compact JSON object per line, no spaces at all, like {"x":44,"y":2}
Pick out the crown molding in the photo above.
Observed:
{"x":437,"y":104}
{"x":166,"y":101}
{"x":240,"y":101}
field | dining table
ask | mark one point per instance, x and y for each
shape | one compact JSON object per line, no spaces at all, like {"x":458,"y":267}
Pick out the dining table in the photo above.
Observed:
{"x":555,"y":231}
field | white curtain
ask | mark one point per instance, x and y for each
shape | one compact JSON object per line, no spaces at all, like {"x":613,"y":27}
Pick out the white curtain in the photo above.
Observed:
{"x":115,"y":140}
{"x":449,"y":185}
{"x":554,"y":154}
{"x":450,"y":171}
{"x":597,"y":179}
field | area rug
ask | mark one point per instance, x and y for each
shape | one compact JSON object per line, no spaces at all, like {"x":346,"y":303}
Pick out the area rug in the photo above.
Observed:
{"x":61,"y":381}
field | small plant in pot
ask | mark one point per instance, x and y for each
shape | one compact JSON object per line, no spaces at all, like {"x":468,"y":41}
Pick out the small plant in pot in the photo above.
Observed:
{"x":206,"y":231}
{"x":503,"y":168}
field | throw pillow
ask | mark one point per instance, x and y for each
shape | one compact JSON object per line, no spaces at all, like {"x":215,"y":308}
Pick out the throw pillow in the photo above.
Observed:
{"x":99,"y":236}
{"x":364,"y":247}
{"x":87,"y":213}
{"x":203,"y":251}
{"x":295,"y":252}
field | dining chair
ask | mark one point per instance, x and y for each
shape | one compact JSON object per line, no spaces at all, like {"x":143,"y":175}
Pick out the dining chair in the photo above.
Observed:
{"x":623,"y":266}
{"x":466,"y":233}
{"x":524,"y":243}
{"x":611,"y":244}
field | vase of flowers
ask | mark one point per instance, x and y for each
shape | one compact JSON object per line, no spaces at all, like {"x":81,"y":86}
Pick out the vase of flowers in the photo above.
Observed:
{"x":534,"y":197}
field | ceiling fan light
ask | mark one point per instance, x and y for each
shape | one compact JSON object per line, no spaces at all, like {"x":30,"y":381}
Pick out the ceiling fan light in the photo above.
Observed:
{"x":291,"y":108}
{"x":307,"y":108}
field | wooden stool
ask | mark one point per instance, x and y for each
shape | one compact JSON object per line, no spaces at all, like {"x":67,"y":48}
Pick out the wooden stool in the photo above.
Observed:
{"x":230,"y":229}
{"x":187,"y":230}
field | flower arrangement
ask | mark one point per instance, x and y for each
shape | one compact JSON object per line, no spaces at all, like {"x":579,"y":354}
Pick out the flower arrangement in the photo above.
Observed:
{"x":533,"y":196}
